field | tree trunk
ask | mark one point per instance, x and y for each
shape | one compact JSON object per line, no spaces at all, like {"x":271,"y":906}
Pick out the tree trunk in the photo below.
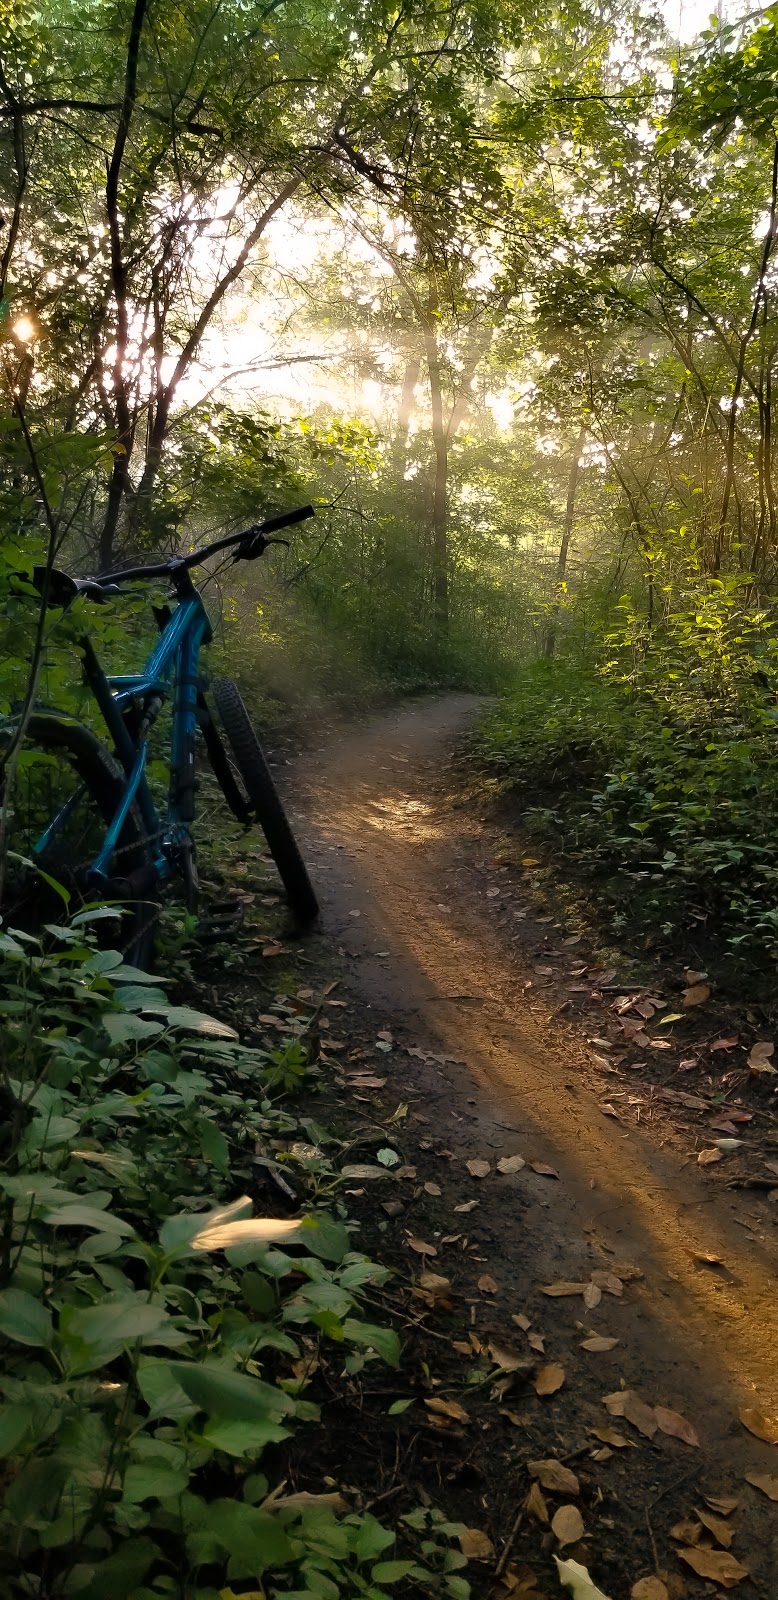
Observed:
{"x":567,"y":528}
{"x":440,"y":437}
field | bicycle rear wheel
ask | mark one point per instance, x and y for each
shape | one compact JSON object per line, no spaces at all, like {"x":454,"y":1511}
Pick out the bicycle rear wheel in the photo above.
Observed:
{"x":263,"y":802}
{"x":63,"y":772}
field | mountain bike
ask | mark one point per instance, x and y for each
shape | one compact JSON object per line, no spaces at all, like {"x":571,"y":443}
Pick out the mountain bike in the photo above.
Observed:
{"x":84,"y":824}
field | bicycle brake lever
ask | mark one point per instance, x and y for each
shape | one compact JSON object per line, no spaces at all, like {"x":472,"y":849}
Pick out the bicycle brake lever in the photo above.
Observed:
{"x":255,"y":546}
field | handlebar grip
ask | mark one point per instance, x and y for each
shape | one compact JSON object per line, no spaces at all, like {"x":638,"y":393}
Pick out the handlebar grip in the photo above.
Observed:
{"x":285,"y":519}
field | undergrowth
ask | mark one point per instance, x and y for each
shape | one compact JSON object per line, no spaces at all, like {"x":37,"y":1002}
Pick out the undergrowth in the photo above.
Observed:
{"x":160,"y":1342}
{"x":667,"y":802}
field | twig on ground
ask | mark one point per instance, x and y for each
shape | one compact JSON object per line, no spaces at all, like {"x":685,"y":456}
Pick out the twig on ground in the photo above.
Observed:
{"x":503,"y":1558}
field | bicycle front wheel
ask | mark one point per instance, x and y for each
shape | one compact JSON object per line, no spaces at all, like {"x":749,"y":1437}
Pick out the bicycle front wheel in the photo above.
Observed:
{"x":66,"y":788}
{"x":263,"y":798}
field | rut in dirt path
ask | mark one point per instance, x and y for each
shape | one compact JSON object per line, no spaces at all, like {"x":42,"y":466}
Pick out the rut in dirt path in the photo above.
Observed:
{"x":399,"y":867}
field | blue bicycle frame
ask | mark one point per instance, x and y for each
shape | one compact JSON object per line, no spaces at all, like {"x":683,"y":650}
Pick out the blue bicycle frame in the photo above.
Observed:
{"x":172,"y":664}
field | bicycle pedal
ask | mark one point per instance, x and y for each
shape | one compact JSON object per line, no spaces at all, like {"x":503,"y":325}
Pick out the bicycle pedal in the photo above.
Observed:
{"x":220,"y":921}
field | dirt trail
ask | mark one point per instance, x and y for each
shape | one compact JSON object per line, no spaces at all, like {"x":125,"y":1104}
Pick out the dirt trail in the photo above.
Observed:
{"x":400,"y":869}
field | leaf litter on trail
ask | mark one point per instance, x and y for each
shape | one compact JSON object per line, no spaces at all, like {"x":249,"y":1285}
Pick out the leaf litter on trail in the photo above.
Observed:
{"x":567,"y":1525}
{"x":764,"y":1481}
{"x":721,"y":1530}
{"x":549,"y":1379}
{"x":696,"y":995}
{"x":598,"y":1342}
{"x":421,"y":1247}
{"x":446,"y":1410}
{"x":508,"y":1164}
{"x":487,"y":1284}
{"x":649,"y":1589}
{"x":576,"y":1578}
{"x":536,"y":1505}
{"x":626,"y":1403}
{"x":475,"y":1544}
{"x":468,"y":1205}
{"x":676,"y":1426}
{"x":716,"y":1564}
{"x":757,"y":1423}
{"x":478,"y":1168}
{"x":554,"y":1475}
{"x":544,"y":1169}
{"x":722,"y":1504}
{"x":759,"y":1056}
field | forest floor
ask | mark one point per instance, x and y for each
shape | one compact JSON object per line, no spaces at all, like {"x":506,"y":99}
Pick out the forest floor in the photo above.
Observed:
{"x":472,"y":1022}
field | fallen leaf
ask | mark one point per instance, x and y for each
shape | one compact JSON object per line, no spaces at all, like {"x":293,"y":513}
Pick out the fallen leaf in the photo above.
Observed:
{"x":361,"y":1080}
{"x":487,"y":1284}
{"x":468,"y":1205}
{"x":725,"y":1044}
{"x":608,"y":1281}
{"x":273,"y":950}
{"x":592,"y":1296}
{"x":435,"y":1287}
{"x":716,"y":1564}
{"x":536,"y":1505}
{"x":392,"y":1208}
{"x":695,"y":995}
{"x":521,"y":1321}
{"x":478,"y":1168}
{"x":724,"y":1504}
{"x":706,"y":1258}
{"x":503,"y":1356}
{"x":421,"y":1247}
{"x":672,"y":1423}
{"x":626,"y":1403}
{"x":365,"y":1170}
{"x":507,"y":1164}
{"x":686,"y":1531}
{"x":562,"y":1288}
{"x":721,"y":1530}
{"x":610,"y":1436}
{"x":537,"y":1342}
{"x":574,"y":1577}
{"x":567,"y":1525}
{"x":451,"y":1410}
{"x":554,"y":1475}
{"x":432,"y":1188}
{"x":544,"y":1170}
{"x":474,"y":1544}
{"x":598,"y":1342}
{"x":694,"y":977}
{"x":759,"y":1056}
{"x":707,"y":1157}
{"x":764,"y":1427}
{"x":764,"y":1481}
{"x":549,"y":1379}
{"x":649,"y":1589}
{"x":514,"y":1417}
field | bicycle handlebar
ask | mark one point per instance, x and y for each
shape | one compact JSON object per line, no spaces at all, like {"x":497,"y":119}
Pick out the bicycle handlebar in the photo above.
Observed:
{"x":255,"y":539}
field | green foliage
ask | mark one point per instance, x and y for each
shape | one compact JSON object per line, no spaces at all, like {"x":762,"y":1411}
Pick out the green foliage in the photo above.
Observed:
{"x":656,"y":775}
{"x":156,"y":1341}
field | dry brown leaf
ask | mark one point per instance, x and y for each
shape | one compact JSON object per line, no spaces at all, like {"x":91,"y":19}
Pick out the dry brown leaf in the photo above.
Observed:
{"x":474,"y":1544}
{"x":759,"y":1056}
{"x":537,"y":1342}
{"x":514,"y":1417}
{"x":503,"y":1356}
{"x":598,"y":1342}
{"x":478,"y":1168}
{"x":672,"y":1423}
{"x":521,"y":1321}
{"x":487,"y":1284}
{"x":625,"y":1271}
{"x":567,"y":1525}
{"x":716,"y":1564}
{"x":721,"y":1530}
{"x":764,"y":1481}
{"x":508,"y":1164}
{"x":756,"y":1422}
{"x":392,"y":1207}
{"x":696,"y":995}
{"x":706,"y":1258}
{"x":549,"y":1379}
{"x":723,"y":1504}
{"x":608,"y":1281}
{"x":544,"y":1170}
{"x":451,"y":1410}
{"x":626,"y":1403}
{"x":435,"y":1288}
{"x":686,"y":1531}
{"x":557,"y":1289}
{"x":362,"y":1080}
{"x":707,"y":1157}
{"x":610,"y":1436}
{"x":468,"y":1205}
{"x":554,"y":1475}
{"x":432,"y":1188}
{"x":649,"y":1589}
{"x":592,"y":1296}
{"x":536,"y":1505}
{"x":421,"y":1248}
